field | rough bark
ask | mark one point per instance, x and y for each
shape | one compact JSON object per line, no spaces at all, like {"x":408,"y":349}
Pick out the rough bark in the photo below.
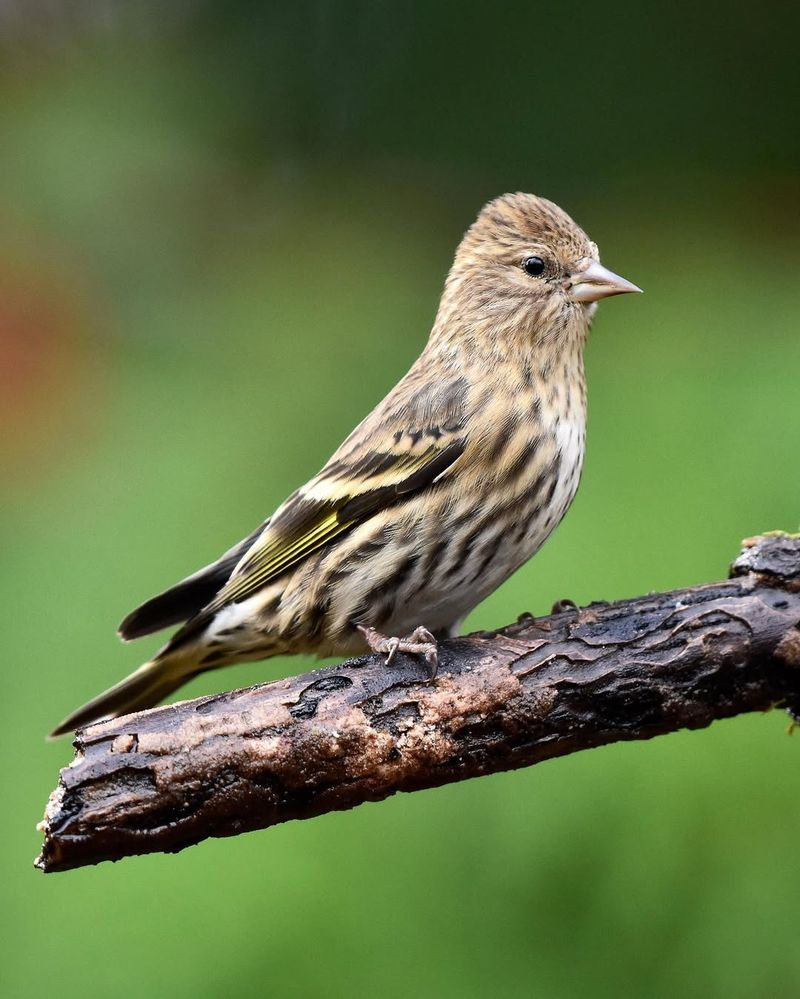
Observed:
{"x":163,"y":779}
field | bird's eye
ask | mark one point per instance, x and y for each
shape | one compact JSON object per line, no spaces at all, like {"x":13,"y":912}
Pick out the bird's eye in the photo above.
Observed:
{"x":533,"y":266}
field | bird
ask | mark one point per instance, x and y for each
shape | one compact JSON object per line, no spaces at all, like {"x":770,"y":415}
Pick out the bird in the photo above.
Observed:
{"x":452,"y":482}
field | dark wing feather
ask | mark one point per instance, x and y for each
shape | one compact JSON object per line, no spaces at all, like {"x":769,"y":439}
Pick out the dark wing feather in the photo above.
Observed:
{"x":185,"y":599}
{"x":402,"y":447}
{"x":304,"y":525}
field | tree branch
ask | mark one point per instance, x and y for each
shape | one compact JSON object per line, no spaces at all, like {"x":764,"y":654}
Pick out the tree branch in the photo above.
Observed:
{"x":163,"y":779}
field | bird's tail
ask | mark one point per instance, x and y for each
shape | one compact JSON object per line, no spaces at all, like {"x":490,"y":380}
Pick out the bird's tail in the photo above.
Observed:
{"x":144,"y":688}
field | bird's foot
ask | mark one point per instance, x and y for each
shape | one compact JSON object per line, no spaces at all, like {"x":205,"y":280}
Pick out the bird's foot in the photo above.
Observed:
{"x":563,"y":605}
{"x":419,"y":643}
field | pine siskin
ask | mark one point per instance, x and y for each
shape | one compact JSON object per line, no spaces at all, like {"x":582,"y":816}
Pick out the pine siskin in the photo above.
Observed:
{"x":453,"y":481}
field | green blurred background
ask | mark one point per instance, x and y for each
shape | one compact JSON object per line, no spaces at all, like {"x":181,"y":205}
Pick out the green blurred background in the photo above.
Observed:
{"x":223,"y":232}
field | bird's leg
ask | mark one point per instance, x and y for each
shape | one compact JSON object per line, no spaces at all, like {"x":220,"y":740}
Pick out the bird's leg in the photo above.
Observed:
{"x":419,"y":643}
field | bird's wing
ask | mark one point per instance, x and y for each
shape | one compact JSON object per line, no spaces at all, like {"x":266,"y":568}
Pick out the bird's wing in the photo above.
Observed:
{"x":188,"y":597}
{"x":403,"y":446}
{"x":308,"y":521}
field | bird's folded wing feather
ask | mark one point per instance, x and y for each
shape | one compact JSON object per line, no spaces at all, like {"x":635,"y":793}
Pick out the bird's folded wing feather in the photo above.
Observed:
{"x":403,"y":446}
{"x":308,"y":521}
{"x":185,"y":599}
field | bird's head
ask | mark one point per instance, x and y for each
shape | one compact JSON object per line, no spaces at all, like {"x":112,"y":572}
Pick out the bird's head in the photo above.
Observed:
{"x":524,"y":269}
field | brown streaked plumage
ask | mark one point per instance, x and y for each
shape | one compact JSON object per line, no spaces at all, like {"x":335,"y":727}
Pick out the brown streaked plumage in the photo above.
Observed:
{"x":453,"y":481}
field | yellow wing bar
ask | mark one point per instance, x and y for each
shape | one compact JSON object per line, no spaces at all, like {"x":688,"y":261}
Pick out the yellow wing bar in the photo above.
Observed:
{"x":305,"y":524}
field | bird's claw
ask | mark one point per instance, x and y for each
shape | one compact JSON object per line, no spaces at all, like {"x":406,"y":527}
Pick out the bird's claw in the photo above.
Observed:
{"x":392,"y":645}
{"x":419,"y":643}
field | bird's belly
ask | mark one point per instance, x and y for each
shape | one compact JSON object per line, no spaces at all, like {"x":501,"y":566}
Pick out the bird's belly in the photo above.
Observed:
{"x":467,"y":572}
{"x":453,"y":592}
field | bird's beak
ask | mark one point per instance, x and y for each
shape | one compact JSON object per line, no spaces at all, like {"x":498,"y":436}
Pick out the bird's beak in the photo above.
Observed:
{"x":592,"y":281}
